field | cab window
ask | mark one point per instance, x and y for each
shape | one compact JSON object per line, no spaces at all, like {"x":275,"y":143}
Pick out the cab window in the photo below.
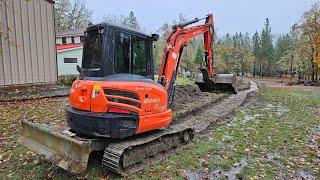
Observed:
{"x":130,"y":54}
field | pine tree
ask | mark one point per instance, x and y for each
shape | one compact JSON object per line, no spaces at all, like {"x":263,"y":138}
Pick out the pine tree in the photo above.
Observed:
{"x":131,"y":21}
{"x":267,"y":47}
{"x":256,"y":51}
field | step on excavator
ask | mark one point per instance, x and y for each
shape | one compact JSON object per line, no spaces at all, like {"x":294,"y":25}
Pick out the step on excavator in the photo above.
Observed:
{"x":117,"y":107}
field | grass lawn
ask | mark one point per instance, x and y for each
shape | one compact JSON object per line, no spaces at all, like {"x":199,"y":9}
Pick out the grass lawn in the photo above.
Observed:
{"x":277,"y":137}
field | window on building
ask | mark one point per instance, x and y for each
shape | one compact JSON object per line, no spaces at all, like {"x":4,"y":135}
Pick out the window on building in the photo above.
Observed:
{"x":70,"y":60}
{"x":81,"y":39}
{"x":64,"y":40}
{"x":72,"y":40}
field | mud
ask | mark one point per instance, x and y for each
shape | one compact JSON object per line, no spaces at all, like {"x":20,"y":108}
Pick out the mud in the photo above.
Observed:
{"x":219,"y":110}
{"x":219,"y":173}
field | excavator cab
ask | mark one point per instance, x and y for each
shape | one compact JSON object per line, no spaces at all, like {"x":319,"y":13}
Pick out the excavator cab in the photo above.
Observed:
{"x":110,"y":49}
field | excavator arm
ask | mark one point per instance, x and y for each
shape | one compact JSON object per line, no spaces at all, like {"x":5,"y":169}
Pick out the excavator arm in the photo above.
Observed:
{"x":179,"y":38}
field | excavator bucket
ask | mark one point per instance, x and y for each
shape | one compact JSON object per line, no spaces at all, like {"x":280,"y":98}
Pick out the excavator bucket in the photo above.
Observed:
{"x":66,"y":151}
{"x":223,"y":83}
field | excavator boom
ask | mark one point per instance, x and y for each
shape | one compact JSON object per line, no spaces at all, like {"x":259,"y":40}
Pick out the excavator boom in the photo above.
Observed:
{"x":177,"y":40}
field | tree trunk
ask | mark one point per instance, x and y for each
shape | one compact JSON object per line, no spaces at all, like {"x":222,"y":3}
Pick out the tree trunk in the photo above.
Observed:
{"x":291,"y":69}
{"x":260,"y":69}
{"x":268,"y":71}
{"x":313,"y":72}
{"x":312,"y":65}
{"x":254,"y":69}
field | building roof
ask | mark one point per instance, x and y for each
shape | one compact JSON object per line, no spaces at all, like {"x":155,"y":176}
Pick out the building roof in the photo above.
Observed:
{"x":70,"y":32}
{"x":63,"y":47}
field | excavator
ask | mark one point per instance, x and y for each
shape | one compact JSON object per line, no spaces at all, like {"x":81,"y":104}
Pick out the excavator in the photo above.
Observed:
{"x":117,"y":107}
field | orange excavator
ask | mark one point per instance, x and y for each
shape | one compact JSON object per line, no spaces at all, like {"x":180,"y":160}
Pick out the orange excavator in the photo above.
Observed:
{"x":115,"y":104}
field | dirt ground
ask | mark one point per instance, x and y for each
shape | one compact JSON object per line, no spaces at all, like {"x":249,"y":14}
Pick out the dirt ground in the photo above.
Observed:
{"x":282,"y":83}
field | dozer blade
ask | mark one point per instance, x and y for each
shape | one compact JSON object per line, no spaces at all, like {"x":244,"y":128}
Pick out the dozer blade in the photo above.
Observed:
{"x":224,"y":83}
{"x":71,"y":154}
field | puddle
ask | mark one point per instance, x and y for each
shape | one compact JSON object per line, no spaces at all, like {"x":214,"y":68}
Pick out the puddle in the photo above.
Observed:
{"x":272,"y":156}
{"x":227,"y":138}
{"x":281,"y":110}
{"x":230,"y":174}
{"x":193,"y":176}
{"x":305,"y":175}
{"x":248,"y":117}
{"x":317,"y":130}
{"x":269,"y":106}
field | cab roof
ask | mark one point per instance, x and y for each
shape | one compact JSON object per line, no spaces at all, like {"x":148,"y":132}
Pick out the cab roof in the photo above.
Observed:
{"x":122,"y":28}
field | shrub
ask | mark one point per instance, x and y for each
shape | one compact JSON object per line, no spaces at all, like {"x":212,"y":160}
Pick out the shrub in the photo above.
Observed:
{"x":67,"y":80}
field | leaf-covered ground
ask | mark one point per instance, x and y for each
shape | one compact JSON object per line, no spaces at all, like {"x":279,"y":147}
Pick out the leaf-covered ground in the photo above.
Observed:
{"x":15,"y":160}
{"x":276,"y":134}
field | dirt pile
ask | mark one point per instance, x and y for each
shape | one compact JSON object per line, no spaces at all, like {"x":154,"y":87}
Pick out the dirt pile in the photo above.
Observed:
{"x":189,"y":99}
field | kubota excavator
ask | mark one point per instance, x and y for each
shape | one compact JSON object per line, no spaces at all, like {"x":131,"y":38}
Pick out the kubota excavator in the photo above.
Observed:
{"x":116,"y":106}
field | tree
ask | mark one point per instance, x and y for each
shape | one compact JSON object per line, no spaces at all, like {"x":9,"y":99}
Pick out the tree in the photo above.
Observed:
{"x":266,"y":47}
{"x":283,"y":48}
{"x":199,"y":56}
{"x":256,"y":51}
{"x":126,"y":21}
{"x":71,"y":14}
{"x":131,"y":21}
{"x":310,"y":29}
{"x":114,"y":19}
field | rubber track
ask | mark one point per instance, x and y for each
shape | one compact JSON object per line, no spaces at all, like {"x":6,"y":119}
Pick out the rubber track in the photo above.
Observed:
{"x":113,"y":158}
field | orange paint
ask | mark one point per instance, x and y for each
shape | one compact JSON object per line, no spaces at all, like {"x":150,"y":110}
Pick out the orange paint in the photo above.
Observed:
{"x":153,"y":111}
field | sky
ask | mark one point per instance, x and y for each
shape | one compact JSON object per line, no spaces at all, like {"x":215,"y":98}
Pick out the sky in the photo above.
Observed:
{"x":231,"y":16}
